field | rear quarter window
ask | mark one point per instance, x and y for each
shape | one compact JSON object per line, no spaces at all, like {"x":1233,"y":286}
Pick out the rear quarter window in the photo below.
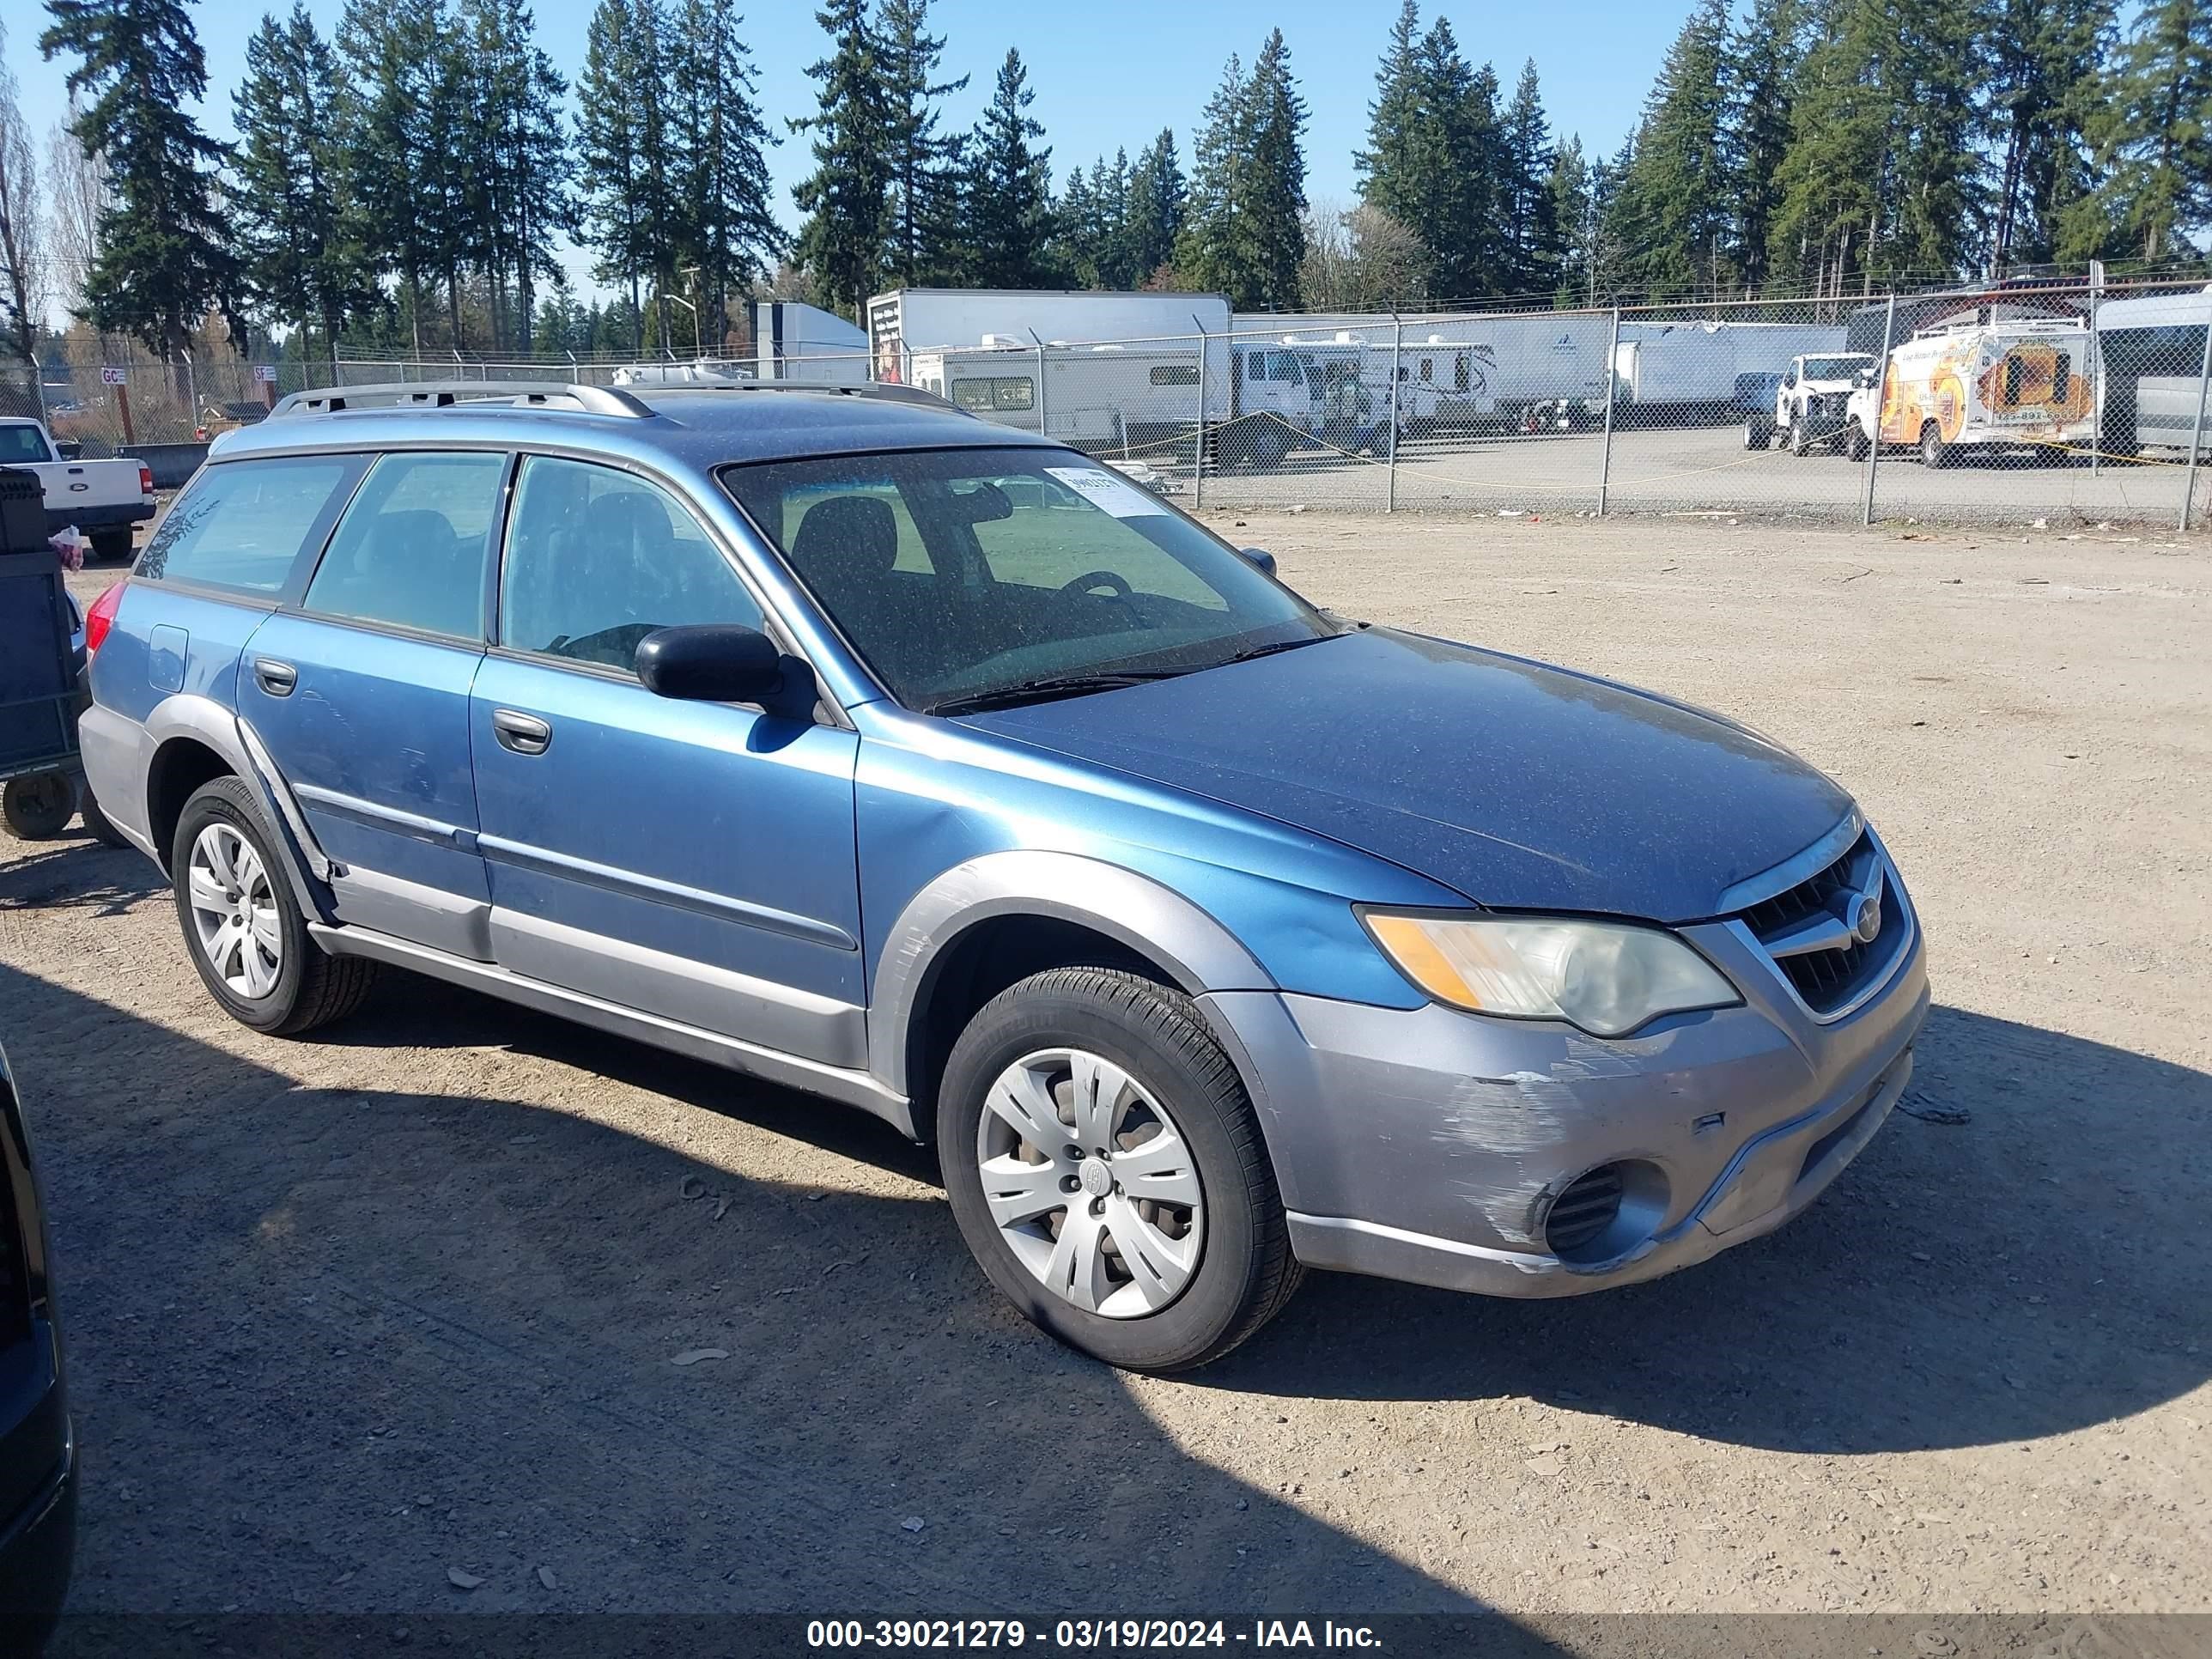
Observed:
{"x":242,"y":526}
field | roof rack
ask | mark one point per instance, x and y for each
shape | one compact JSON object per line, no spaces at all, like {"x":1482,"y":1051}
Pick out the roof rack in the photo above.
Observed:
{"x":446,"y":394}
{"x":889,"y":391}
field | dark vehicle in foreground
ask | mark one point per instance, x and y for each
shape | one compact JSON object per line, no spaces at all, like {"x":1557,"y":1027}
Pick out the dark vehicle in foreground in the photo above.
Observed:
{"x":846,"y":741}
{"x":38,"y":1475}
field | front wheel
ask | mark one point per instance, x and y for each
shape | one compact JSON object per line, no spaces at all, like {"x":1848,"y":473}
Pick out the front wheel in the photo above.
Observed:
{"x":243,"y":924}
{"x":1856,"y":444}
{"x":1105,"y":1167}
{"x":1801,"y":441}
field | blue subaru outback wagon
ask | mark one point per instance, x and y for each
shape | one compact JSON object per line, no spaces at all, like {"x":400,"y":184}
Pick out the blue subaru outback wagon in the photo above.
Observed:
{"x":858,"y":744}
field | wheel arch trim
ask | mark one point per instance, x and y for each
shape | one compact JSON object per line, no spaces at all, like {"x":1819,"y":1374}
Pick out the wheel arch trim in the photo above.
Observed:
{"x":1158,"y":923}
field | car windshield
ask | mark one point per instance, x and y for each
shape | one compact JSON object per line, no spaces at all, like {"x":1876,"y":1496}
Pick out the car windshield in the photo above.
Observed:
{"x":974,"y":578}
{"x":1832,"y":368}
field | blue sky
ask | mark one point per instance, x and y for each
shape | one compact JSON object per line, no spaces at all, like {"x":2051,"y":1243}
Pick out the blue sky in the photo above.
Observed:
{"x":1104,"y":75}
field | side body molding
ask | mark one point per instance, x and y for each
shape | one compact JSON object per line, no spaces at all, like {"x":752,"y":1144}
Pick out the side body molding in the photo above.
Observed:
{"x":1198,"y":951}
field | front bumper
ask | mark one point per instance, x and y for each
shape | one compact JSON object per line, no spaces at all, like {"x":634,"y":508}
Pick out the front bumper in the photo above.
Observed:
{"x":1429,"y":1145}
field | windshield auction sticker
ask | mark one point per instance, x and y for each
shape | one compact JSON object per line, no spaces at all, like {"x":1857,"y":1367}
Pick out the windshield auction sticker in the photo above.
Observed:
{"x":1110,"y":491}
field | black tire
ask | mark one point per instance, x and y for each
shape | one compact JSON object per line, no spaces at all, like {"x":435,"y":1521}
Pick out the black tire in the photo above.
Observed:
{"x":1758,"y":432}
{"x":111,"y":544}
{"x":1801,"y":441}
{"x":39,"y":806}
{"x":1245,"y":1272}
{"x":97,"y":823}
{"x":1855,"y":442}
{"x":312,"y":988}
{"x":1933,"y":452}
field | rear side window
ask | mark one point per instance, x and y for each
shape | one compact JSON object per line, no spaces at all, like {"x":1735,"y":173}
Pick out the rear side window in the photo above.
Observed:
{"x":21,"y":445}
{"x":243,"y":525}
{"x":413,"y":550}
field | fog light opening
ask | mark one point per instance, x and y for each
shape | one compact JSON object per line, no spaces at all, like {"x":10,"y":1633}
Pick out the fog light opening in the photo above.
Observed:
{"x":1605,"y":1213}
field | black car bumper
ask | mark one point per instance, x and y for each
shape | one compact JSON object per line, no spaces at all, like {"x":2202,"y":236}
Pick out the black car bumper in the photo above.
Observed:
{"x":90,"y":518}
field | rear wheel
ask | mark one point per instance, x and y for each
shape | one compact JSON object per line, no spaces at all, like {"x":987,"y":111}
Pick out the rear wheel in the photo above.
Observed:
{"x":1758,"y":432}
{"x":1933,"y":452}
{"x":111,"y":544}
{"x":1105,"y":1167}
{"x":40,"y":806}
{"x":243,"y":926}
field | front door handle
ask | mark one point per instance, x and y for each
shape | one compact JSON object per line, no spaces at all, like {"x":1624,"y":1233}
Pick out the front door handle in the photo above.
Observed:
{"x":521,"y":734}
{"x":277,"y":678}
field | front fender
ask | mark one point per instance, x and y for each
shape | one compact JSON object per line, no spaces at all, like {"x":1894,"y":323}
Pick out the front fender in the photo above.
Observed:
{"x":1200,"y":953}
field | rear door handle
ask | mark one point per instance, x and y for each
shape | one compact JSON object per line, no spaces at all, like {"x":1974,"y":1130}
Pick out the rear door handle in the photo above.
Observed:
{"x":521,"y":734}
{"x":277,"y":678}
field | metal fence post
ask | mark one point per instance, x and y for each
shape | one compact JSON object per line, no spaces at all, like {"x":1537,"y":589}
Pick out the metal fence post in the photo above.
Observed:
{"x":2096,"y":370}
{"x":1881,"y":393}
{"x":1044,"y":417}
{"x":1612,"y":394}
{"x":2196,"y":427}
{"x":1397,"y":346}
{"x":1198,"y":441}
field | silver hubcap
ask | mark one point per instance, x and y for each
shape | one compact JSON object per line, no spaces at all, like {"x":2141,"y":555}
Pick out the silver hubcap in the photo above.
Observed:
{"x":1090,"y":1184}
{"x":235,"y":912}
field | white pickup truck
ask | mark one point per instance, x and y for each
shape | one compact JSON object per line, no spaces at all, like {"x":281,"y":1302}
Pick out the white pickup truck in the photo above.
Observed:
{"x":103,"y":499}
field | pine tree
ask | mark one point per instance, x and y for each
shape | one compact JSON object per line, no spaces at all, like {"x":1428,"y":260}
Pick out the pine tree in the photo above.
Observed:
{"x":519,"y":200}
{"x":300,"y":242}
{"x":847,"y":198}
{"x":1076,"y":248}
{"x":630,"y":215}
{"x":1156,"y":206}
{"x":2153,"y":135}
{"x":1673,"y":204}
{"x":1436,"y":156}
{"x":1010,"y":187}
{"x":922,"y":159}
{"x":1270,"y":189}
{"x":388,"y":50}
{"x":1759,"y":79}
{"x":726,"y":227}
{"x":1570,"y":186}
{"x":1530,"y":219}
{"x":164,"y":257}
{"x":2043,"y":93}
{"x":1206,"y":255}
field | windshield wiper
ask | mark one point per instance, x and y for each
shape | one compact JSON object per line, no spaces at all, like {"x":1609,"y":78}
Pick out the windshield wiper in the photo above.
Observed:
{"x":1044,"y":690}
{"x":1248,"y":654}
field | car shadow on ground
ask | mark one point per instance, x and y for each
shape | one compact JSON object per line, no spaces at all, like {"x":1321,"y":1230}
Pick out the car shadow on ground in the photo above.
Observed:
{"x":329,"y":1343}
{"x":2040,"y":1226}
{"x":74,"y":871}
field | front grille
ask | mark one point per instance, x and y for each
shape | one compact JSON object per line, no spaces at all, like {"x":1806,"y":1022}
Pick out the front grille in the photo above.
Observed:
{"x":1584,"y":1211}
{"x":1828,"y":980}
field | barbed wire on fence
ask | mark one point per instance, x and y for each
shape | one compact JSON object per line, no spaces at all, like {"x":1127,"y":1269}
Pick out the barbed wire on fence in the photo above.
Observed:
{"x":2080,"y":404}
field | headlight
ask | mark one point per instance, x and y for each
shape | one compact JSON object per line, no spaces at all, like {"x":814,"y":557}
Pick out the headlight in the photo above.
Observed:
{"x":1606,"y":977}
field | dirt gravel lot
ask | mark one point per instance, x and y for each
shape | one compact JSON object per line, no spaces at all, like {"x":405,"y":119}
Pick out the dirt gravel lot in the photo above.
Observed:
{"x":348,"y":1313}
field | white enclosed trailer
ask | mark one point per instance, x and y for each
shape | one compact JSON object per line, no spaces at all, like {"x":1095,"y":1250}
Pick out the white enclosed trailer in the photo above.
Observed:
{"x":1688,"y":369}
{"x":793,"y":341}
{"x":911,"y":319}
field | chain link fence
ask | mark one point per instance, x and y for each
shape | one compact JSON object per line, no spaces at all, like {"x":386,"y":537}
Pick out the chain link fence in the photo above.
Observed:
{"x":2019,"y":405}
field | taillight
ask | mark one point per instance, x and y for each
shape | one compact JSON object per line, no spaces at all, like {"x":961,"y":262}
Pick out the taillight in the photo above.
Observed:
{"x":101,"y":617}
{"x":145,"y":479}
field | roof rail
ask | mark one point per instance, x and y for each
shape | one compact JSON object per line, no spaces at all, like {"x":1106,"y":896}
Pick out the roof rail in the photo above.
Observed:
{"x":446,"y":394}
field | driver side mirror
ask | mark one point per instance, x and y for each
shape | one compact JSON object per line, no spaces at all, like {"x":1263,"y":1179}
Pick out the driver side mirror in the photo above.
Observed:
{"x":1261,"y":557}
{"x":710,"y":662}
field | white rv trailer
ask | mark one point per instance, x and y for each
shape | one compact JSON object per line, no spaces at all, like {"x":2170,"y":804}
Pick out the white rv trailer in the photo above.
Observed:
{"x":1512,"y":360}
{"x":2150,"y":355}
{"x":1139,"y":400}
{"x":911,"y":319}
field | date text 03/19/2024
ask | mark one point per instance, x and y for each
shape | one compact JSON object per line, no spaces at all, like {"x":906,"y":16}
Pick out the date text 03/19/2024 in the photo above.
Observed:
{"x":1084,"y":1634}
